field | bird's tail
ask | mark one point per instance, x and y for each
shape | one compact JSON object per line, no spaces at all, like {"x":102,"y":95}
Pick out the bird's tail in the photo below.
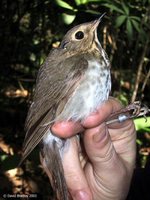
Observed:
{"x":51,"y":161}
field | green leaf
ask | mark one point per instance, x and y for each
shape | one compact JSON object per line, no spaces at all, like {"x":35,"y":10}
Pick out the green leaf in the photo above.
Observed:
{"x":64,"y":4}
{"x":142,"y":124}
{"x":139,"y":142}
{"x":68,"y":19}
{"x":122,"y":97}
{"x":95,"y":1}
{"x":120,"y":20}
{"x":11,"y":162}
{"x":84,"y":1}
{"x":136,"y":18}
{"x":93,"y":12}
{"x":144,"y":35}
{"x":129,"y":29}
{"x":113,"y":7}
{"x":125,"y":8}
{"x":136,"y":25}
{"x":79,"y":2}
{"x":3,"y":157}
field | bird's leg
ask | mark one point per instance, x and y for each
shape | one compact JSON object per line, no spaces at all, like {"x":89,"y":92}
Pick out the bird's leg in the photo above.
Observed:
{"x":131,"y":111}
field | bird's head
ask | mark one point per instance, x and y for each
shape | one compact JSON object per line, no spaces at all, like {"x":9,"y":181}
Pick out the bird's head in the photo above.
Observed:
{"x":81,"y":38}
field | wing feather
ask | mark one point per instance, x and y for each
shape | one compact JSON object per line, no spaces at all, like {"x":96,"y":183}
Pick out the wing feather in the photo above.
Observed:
{"x":55,"y":81}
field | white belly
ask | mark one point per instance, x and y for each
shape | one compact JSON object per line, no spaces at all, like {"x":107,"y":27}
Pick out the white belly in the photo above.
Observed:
{"x":92,"y":91}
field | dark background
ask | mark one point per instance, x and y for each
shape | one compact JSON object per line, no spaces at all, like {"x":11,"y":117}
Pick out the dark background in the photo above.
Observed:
{"x":28,"y":30}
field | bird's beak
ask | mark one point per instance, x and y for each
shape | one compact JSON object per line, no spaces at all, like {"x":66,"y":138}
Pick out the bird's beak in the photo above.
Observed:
{"x":96,"y":22}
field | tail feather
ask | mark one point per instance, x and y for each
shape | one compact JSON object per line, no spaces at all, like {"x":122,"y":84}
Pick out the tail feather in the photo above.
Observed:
{"x":51,"y":161}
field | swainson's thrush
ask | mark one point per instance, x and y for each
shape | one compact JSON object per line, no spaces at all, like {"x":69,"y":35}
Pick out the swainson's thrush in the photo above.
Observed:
{"x":71,"y":84}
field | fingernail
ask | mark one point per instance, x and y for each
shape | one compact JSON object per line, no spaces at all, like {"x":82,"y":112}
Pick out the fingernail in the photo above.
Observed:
{"x":81,"y":195}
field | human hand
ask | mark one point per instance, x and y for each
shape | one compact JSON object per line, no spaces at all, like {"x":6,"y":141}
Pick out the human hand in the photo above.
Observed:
{"x":106,"y":170}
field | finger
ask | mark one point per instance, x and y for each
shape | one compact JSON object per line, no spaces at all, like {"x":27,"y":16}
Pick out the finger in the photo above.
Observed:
{"x":102,"y":113}
{"x":103,"y":157}
{"x":66,"y":129}
{"x":73,"y":171}
{"x":97,"y":142}
{"x":124,"y":141}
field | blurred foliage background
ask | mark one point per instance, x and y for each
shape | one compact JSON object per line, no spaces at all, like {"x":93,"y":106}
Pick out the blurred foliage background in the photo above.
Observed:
{"x":28,"y":30}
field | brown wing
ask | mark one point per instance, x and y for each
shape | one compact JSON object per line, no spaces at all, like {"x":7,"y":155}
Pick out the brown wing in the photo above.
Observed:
{"x":55,"y":80}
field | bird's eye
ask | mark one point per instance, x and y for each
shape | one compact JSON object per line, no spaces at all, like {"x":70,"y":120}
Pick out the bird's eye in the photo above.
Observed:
{"x":79,"y":35}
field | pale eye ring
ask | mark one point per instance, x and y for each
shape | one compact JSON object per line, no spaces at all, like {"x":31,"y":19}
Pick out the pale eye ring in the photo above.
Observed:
{"x":79,"y":35}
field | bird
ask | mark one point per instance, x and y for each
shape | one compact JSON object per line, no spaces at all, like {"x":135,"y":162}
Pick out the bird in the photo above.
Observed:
{"x":72,"y":83}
